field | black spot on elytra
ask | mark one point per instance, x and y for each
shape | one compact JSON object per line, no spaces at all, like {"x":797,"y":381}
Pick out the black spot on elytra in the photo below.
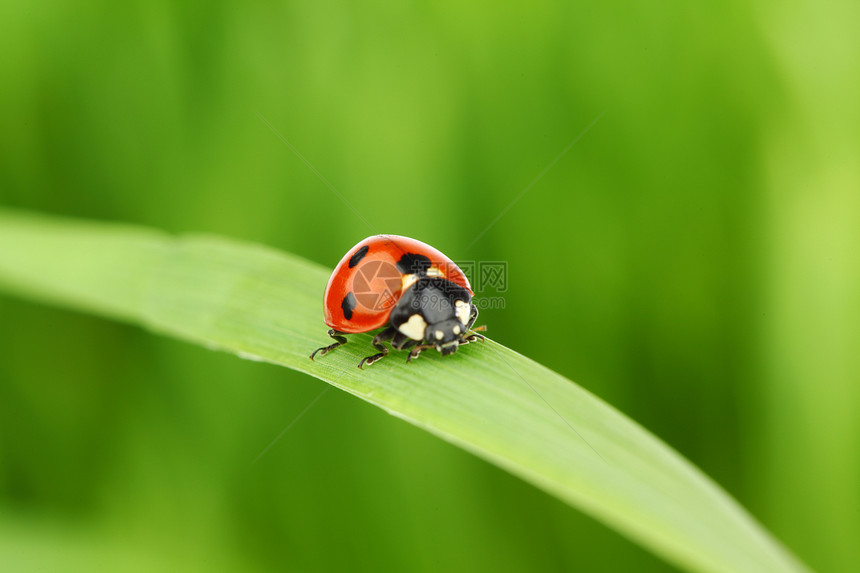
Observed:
{"x":359,"y":254}
{"x":413,"y":264}
{"x":348,"y":305}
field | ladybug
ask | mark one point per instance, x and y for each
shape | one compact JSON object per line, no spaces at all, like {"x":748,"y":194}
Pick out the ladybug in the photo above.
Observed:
{"x":418,"y":296}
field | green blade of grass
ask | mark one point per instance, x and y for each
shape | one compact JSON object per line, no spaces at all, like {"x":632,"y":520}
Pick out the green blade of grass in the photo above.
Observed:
{"x":266,"y":305}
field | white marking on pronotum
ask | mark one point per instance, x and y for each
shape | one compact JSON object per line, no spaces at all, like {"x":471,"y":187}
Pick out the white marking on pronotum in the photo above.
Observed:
{"x":414,"y":328}
{"x":435,"y":272}
{"x":464,"y":310}
{"x":457,"y":329}
{"x":439,"y":335}
{"x":407,"y":281}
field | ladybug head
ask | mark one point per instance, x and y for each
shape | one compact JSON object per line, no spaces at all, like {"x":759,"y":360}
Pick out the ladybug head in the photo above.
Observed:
{"x":445,"y":335}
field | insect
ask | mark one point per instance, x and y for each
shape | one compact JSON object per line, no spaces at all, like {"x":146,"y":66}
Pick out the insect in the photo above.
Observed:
{"x":418,"y":296}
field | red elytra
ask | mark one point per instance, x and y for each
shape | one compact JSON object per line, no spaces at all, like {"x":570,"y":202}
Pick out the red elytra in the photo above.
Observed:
{"x":374,"y":272}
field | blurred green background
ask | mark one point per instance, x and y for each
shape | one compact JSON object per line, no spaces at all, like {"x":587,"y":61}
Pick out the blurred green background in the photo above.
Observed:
{"x":693,"y":260}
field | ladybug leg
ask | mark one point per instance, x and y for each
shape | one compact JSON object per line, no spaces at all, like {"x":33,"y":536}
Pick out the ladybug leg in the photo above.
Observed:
{"x":383,"y":336}
{"x":471,"y":336}
{"x":473,"y":316}
{"x":402,"y":342}
{"x":323,"y":350}
{"x":474,"y":337}
{"x":418,"y":350}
